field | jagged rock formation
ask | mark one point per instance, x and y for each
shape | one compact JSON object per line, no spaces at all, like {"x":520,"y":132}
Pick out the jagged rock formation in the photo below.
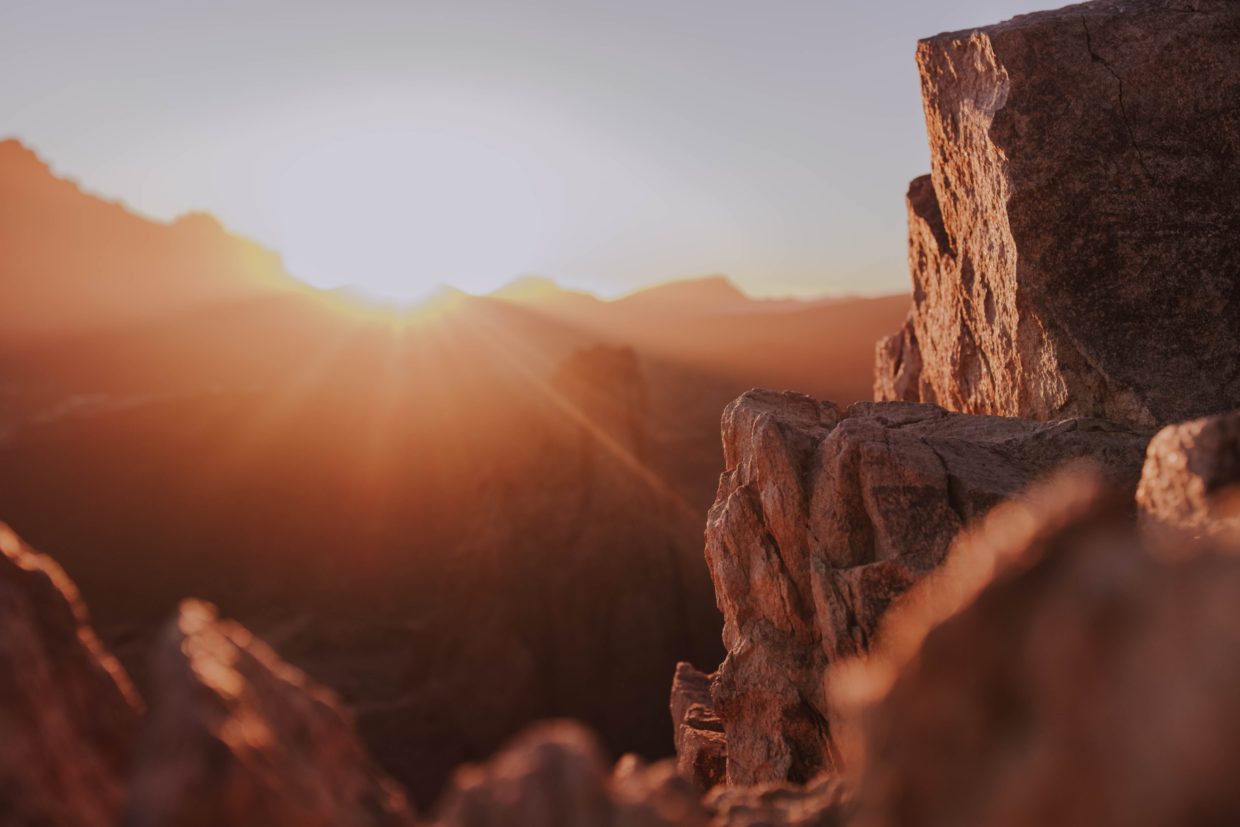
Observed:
{"x":1091,"y":681}
{"x":823,"y":517}
{"x":236,"y":736}
{"x":67,"y":712}
{"x":1074,"y":249}
{"x":1191,"y":478}
{"x":701,"y":751}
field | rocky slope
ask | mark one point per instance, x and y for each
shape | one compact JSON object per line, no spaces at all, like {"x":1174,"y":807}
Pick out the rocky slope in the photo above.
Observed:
{"x":1081,"y":200}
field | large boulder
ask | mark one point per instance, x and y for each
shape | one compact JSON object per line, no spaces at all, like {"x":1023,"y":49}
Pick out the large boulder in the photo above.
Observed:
{"x":68,"y":714}
{"x":1073,"y":251}
{"x":1191,"y":478}
{"x":236,"y":736}
{"x":1094,"y":679}
{"x":823,"y":517}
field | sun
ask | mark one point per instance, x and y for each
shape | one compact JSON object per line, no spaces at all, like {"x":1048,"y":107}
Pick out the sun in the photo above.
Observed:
{"x":393,"y":217}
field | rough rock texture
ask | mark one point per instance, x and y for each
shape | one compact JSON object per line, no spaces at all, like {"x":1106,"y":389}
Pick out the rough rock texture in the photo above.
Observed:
{"x":1091,"y":681}
{"x":67,"y":712}
{"x":1074,"y":252}
{"x":701,"y":751}
{"x":1191,"y":478}
{"x":824,"y":516}
{"x":554,"y":775}
{"x":823,"y":802}
{"x":235,"y":736}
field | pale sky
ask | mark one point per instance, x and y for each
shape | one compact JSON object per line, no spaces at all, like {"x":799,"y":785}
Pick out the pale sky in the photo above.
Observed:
{"x":605,"y":143}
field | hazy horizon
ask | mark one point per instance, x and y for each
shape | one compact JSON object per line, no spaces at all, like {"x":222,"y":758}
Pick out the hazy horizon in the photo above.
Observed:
{"x":393,"y":148}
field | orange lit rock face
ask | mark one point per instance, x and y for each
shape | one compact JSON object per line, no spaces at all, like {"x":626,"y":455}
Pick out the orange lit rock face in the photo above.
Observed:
{"x":823,"y":517}
{"x":1073,"y":252}
{"x":1091,"y":682}
{"x":1191,"y":478}
{"x":67,"y":713}
{"x":236,"y":736}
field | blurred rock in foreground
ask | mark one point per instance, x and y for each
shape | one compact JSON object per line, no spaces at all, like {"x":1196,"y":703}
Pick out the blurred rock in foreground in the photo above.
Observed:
{"x":1095,"y":679}
{"x":67,"y":712}
{"x":236,"y":736}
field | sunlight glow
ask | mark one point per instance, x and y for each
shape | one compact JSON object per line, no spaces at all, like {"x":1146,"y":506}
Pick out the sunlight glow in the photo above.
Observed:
{"x":396,"y":211}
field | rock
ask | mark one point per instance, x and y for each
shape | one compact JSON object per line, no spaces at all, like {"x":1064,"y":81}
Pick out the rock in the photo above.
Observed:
{"x":823,"y":802}
{"x":1073,"y":252}
{"x":1191,"y":478}
{"x":823,"y":517}
{"x":67,"y":711}
{"x":1092,"y":680}
{"x":701,"y":750}
{"x":236,"y":736}
{"x":554,"y":775}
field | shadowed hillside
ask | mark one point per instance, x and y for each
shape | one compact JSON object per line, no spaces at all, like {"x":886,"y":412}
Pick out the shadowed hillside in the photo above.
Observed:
{"x":409,"y":505}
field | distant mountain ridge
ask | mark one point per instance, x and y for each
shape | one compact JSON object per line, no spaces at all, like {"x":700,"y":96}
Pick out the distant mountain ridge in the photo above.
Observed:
{"x":70,"y":260}
{"x":704,"y":295}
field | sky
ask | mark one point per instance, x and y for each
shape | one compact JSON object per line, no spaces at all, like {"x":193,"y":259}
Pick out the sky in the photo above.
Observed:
{"x":394,"y":146}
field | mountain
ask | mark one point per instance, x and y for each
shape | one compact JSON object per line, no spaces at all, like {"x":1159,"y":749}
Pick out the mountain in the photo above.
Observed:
{"x":74,"y":261}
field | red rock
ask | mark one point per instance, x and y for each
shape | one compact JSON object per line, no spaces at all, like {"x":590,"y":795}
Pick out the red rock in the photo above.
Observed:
{"x":236,"y":736}
{"x":701,"y":749}
{"x":1191,"y":478}
{"x":1073,"y":252}
{"x":1092,"y":680}
{"x":67,"y":711}
{"x":823,"y":517}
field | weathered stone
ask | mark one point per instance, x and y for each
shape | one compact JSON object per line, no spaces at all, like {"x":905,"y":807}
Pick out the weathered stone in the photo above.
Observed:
{"x":823,"y":517}
{"x":1075,"y":253}
{"x":701,"y":750}
{"x":236,"y":736}
{"x":67,"y":712}
{"x":1092,"y":680}
{"x":554,"y":775}
{"x":1191,"y":478}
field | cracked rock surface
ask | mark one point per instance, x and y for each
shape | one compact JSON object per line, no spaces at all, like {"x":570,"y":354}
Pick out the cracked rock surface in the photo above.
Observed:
{"x":823,"y":517}
{"x":1073,"y":249}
